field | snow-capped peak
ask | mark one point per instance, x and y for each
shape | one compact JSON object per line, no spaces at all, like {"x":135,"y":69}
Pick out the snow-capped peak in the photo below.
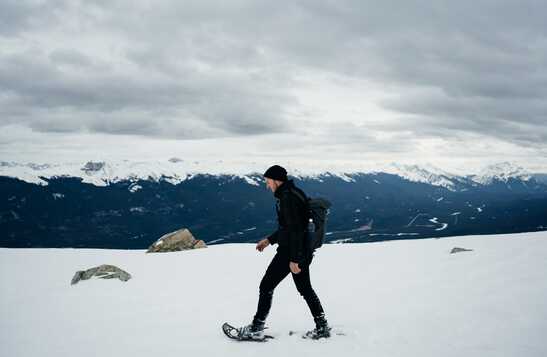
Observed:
{"x":502,"y":171}
{"x":424,"y":173}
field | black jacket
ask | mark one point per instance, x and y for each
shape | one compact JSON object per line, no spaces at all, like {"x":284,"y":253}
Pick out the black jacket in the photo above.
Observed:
{"x":291,"y":235}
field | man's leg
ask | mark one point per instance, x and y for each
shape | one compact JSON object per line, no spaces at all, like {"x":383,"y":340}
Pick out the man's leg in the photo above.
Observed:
{"x":303,"y":285}
{"x":276,"y":272}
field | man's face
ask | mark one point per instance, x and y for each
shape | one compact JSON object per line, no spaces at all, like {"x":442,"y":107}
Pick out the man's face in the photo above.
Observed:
{"x":272,"y":184}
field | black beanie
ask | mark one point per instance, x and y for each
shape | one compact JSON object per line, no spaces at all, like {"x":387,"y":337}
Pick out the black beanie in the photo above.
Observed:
{"x":276,"y":172}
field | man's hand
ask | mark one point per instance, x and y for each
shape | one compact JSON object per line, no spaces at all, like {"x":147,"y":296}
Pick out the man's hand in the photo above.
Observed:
{"x":294,"y":267}
{"x":262,"y":244}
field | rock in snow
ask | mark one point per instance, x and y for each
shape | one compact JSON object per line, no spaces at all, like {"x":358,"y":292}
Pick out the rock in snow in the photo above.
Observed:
{"x":176,"y":241}
{"x":104,"y":271}
{"x":458,"y":250}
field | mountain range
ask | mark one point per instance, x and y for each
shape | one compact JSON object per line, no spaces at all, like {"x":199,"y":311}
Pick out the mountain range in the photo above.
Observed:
{"x":128,"y":205}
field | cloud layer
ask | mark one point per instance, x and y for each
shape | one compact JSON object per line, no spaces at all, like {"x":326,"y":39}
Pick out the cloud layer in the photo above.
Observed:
{"x":353,"y":75}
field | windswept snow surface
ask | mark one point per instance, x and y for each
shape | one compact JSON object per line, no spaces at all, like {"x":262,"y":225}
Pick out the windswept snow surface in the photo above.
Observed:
{"x":395,"y":298}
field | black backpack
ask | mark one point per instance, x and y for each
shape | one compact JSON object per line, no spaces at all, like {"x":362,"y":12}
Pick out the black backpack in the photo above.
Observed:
{"x":318,"y":209}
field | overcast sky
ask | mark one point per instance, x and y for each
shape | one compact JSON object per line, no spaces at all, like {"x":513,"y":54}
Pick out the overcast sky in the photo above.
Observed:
{"x":446,"y":82}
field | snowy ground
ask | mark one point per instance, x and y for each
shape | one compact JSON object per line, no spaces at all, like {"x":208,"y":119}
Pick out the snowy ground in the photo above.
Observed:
{"x":397,"y":298}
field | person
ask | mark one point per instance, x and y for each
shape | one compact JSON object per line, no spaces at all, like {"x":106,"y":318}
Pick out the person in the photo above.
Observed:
{"x":293,"y":256}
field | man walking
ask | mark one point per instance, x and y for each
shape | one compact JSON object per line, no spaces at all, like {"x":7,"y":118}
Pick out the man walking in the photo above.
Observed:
{"x":293,"y":256}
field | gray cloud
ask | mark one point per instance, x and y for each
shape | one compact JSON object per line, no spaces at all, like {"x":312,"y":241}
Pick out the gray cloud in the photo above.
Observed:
{"x":18,"y":16}
{"x":47,"y":91}
{"x":197,"y":69}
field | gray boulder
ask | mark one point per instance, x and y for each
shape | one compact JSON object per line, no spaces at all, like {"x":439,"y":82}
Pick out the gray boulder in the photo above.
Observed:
{"x":104,"y":271}
{"x":176,"y":241}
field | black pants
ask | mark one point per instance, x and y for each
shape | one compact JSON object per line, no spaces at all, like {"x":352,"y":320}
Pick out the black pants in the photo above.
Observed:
{"x":276,"y":272}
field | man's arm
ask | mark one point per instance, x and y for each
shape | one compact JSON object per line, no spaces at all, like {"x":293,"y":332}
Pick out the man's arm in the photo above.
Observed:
{"x":294,"y":229}
{"x":262,"y":244}
{"x":273,"y":238}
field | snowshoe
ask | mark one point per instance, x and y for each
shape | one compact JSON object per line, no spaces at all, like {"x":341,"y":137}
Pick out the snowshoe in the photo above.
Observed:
{"x":245,"y":333}
{"x":321,"y":330}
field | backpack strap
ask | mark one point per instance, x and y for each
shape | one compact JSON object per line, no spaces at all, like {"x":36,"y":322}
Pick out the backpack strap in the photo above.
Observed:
{"x":300,"y":196}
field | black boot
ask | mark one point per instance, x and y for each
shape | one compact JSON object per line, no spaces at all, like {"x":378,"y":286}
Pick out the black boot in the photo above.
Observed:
{"x":321,"y":329}
{"x":254,"y":331}
{"x":258,"y":324}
